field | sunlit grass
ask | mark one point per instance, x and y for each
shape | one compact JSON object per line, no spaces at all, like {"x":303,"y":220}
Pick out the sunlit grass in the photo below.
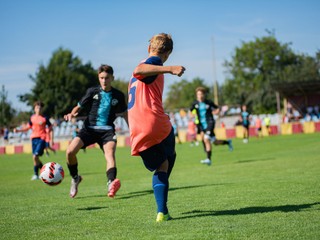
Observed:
{"x":266,"y":189}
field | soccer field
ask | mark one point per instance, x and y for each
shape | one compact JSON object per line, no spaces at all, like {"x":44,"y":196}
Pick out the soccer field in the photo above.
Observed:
{"x":266,"y":189}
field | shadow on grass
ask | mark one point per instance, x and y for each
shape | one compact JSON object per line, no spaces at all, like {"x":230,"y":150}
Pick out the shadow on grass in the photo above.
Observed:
{"x":255,"y":160}
{"x":150,"y":191}
{"x":247,"y":210}
{"x":146,"y":192}
{"x":91,"y":208}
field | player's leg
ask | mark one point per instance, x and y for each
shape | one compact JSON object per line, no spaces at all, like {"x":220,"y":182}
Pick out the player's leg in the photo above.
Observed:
{"x":72,"y":150}
{"x":47,"y":149}
{"x":160,"y":180}
{"x":245,"y":133}
{"x":161,"y":158}
{"x":207,"y":145}
{"x":218,"y":142}
{"x":160,"y":184}
{"x":113,"y":183}
{"x":36,"y":167}
{"x":72,"y":162}
{"x":38,"y":146}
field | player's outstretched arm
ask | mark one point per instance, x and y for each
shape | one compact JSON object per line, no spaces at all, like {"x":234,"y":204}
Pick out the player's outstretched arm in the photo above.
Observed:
{"x":72,"y":114}
{"x":151,"y":70}
{"x":16,"y":130}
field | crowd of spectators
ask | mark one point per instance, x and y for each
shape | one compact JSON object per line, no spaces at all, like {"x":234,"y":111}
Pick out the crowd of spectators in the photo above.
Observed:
{"x":308,"y":114}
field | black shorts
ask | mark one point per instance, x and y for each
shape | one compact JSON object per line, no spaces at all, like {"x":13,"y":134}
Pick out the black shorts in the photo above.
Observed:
{"x":91,"y":136}
{"x":246,"y":125}
{"x":208,"y":131}
{"x":154,"y":156}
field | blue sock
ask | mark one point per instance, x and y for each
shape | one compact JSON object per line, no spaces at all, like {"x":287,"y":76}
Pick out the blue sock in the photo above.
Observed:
{"x":160,"y":186}
{"x":36,"y":170}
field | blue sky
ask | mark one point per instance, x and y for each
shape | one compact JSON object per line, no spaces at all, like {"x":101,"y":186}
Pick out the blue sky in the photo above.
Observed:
{"x":205,"y":33}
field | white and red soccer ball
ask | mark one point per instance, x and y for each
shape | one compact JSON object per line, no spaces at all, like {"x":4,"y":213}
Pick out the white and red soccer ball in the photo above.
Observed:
{"x":52,"y":173}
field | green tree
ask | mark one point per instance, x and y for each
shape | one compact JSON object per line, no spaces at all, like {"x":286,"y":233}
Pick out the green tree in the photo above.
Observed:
{"x":256,"y":65}
{"x":61,"y":83}
{"x":307,"y":68}
{"x":6,"y":111}
{"x":181,"y":94}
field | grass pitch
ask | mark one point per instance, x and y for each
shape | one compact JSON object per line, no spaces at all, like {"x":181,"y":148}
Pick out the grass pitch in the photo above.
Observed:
{"x":266,"y":189}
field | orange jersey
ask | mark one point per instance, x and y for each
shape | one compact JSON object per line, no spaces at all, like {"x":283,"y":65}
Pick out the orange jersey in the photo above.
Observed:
{"x":38,"y":125}
{"x":258,"y":123}
{"x":148,"y":123}
{"x":192,"y":128}
{"x":48,"y":135}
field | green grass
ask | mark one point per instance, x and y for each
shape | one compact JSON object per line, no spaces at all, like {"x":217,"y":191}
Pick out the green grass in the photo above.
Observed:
{"x":266,"y":189}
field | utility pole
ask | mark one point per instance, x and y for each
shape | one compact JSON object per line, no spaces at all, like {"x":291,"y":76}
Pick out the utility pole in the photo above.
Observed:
{"x":215,"y":84}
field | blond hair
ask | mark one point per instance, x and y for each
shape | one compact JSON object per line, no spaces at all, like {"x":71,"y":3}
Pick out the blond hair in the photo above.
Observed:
{"x":161,"y":43}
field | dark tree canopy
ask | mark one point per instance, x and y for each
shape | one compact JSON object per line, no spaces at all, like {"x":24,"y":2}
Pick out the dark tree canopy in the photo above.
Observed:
{"x":6,"y":111}
{"x":256,"y":65}
{"x":61,"y":83}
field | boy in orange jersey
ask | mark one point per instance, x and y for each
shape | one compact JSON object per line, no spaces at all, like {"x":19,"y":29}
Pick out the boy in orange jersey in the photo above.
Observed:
{"x":259,"y":127}
{"x":38,"y":124}
{"x":151,"y":132}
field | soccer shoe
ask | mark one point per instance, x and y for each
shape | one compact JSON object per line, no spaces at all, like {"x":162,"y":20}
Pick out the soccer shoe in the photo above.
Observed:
{"x":163,"y":217}
{"x":230,"y":145}
{"x":35,"y":177}
{"x":206,"y":161}
{"x":74,"y":186}
{"x":113,"y":188}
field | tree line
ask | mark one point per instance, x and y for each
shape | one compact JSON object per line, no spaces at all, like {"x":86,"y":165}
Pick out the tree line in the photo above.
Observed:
{"x":253,"y":68}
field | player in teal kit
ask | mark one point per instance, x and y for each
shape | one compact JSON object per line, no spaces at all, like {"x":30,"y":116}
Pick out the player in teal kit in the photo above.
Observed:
{"x":245,"y":119}
{"x":104,"y":103}
{"x":204,"y":109}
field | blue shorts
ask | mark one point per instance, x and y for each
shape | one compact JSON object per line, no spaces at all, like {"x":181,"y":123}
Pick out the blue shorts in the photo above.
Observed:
{"x":38,"y":146}
{"x":154,"y":156}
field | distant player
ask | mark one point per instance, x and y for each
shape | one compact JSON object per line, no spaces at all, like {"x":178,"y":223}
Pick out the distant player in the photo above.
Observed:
{"x":38,"y":124}
{"x":204,"y":110}
{"x":175,"y":126}
{"x":49,"y":136}
{"x":151,"y":132}
{"x":267,"y":121}
{"x":6,"y":135}
{"x":104,"y":103}
{"x":258,"y":127}
{"x":192,"y":131}
{"x":245,"y":120}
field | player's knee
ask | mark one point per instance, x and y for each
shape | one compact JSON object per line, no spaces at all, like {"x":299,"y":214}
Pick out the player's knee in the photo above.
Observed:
{"x":71,"y":152}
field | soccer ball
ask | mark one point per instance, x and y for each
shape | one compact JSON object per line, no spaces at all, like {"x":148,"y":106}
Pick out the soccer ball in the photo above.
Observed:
{"x":52,"y":173}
